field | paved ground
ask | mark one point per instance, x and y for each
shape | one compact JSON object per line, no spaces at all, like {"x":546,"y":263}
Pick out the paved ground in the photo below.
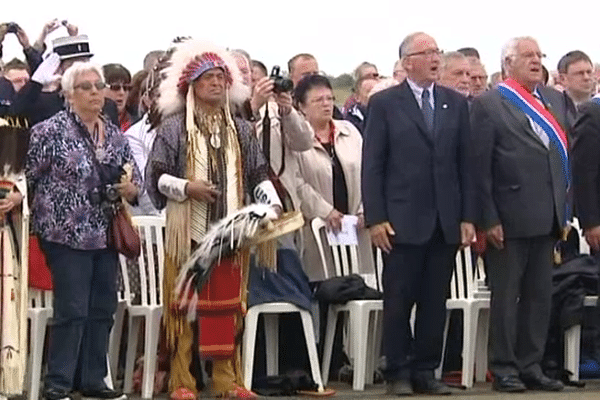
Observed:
{"x":481,"y":391}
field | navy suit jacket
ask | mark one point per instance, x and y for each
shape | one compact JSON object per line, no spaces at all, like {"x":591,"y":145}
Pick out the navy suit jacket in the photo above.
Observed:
{"x":412,"y":177}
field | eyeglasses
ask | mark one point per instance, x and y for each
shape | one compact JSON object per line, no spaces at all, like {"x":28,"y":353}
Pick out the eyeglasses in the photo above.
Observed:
{"x":323,"y":99}
{"x":372,"y":75}
{"x":118,"y":86}
{"x":87,"y":86}
{"x":531,"y":54}
{"x":427,"y":53}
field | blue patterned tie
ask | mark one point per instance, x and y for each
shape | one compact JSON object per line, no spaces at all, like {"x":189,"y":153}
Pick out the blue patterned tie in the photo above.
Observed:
{"x":427,"y":110}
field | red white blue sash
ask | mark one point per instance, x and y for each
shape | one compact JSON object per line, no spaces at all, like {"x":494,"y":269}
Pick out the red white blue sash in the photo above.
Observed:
{"x":517,"y":95}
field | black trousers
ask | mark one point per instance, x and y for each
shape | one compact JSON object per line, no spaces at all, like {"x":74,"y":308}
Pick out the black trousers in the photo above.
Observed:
{"x":85,"y":300}
{"x":415,"y":274}
{"x":520,"y":278}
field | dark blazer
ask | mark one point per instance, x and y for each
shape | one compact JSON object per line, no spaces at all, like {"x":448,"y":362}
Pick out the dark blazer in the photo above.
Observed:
{"x":410,"y":176}
{"x":585,"y":162}
{"x":520,"y":183}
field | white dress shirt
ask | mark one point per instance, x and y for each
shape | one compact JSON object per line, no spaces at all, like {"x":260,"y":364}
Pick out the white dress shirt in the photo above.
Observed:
{"x":418,"y":92}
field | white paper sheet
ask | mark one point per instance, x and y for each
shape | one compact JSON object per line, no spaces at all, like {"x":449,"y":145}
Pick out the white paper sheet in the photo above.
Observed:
{"x":347,"y":235}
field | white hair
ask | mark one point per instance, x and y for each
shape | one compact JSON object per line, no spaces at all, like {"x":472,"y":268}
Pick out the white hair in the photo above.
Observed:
{"x":74,"y":71}
{"x":382,"y":85}
{"x":452,"y":55}
{"x":509,"y":50}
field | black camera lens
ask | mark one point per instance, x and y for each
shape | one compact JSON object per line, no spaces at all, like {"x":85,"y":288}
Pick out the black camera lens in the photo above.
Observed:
{"x":112,"y":193}
{"x":280,"y":83}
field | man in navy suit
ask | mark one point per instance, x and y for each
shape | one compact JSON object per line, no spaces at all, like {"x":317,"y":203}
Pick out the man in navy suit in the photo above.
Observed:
{"x":418,"y":204}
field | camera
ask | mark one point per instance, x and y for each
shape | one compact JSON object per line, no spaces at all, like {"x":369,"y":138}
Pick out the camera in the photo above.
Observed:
{"x":107,"y":194}
{"x":12,"y":27}
{"x":281,"y":84}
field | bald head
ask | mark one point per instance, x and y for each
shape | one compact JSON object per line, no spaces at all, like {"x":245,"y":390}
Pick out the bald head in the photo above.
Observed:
{"x":302,"y":65}
{"x":421,"y":58}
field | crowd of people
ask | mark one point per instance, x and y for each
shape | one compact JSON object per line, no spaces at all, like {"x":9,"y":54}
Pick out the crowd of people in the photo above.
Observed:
{"x":423,"y":159}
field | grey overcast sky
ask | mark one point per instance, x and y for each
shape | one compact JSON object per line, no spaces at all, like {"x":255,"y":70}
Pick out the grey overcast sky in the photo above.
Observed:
{"x":341,"y":34}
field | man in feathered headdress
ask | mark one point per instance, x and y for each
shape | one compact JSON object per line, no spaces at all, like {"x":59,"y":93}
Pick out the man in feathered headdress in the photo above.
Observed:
{"x":203,"y":164}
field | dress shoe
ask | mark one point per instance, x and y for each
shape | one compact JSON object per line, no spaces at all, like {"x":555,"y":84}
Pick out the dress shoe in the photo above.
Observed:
{"x":400,"y":387}
{"x":430,"y":385}
{"x":55,"y":394}
{"x":508,"y":383}
{"x":543,"y":383}
{"x":102,"y":394}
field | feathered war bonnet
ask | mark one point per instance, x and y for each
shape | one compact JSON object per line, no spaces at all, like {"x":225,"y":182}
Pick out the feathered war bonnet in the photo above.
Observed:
{"x":184,"y":63}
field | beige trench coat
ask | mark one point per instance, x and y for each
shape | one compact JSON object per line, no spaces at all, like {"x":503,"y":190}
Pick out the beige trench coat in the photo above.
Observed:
{"x":296,"y":134}
{"x":315,"y":190}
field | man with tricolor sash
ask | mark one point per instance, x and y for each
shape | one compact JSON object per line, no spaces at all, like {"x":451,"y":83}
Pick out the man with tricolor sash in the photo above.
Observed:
{"x":522,"y":181}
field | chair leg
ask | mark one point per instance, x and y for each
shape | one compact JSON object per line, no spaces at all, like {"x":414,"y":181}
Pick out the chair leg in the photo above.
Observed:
{"x":468,"y":353}
{"x":38,"y":334}
{"x":572,"y":350}
{"x":114,"y":342}
{"x":311,"y":345}
{"x":359,"y":331}
{"x":132,"y":341}
{"x":438,"y":371}
{"x":152,"y":333}
{"x":316,"y":316}
{"x":251,"y":323}
{"x":332,"y":317}
{"x":481,"y":353}
{"x":378,"y":333}
{"x":372,"y":352}
{"x":272,"y":342}
{"x":108,"y":379}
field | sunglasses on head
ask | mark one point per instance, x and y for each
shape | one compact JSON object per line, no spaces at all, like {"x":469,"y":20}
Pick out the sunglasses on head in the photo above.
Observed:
{"x":118,"y":86}
{"x":88,"y":85}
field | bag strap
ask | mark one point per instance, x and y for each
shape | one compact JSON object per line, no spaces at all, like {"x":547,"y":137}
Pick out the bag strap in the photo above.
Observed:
{"x":89,"y":144}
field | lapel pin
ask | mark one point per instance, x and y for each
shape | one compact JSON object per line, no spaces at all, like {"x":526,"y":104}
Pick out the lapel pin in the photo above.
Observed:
{"x":444,"y":105}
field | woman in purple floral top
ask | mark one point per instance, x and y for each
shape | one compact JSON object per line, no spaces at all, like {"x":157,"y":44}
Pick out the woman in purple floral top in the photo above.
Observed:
{"x":67,"y":213}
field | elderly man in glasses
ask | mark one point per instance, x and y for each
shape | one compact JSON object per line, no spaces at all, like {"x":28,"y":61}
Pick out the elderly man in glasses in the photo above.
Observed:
{"x":522,"y":177}
{"x":419,"y":209}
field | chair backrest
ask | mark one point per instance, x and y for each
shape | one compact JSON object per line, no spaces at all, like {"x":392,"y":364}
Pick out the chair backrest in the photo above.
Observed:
{"x":584,"y":247}
{"x":40,"y":298}
{"x":345,"y":257}
{"x":150,"y":262}
{"x":463,"y":285}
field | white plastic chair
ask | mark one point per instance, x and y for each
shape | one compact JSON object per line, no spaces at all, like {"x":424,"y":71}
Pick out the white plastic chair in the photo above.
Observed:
{"x":39,"y":314}
{"x":573,"y":334}
{"x":365,"y":316}
{"x":271,"y":313}
{"x":468,"y":294}
{"x":116,"y":333}
{"x":150,"y":309}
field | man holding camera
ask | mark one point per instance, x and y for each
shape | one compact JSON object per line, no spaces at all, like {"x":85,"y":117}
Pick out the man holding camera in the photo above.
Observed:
{"x":33,"y":57}
{"x":280,"y":129}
